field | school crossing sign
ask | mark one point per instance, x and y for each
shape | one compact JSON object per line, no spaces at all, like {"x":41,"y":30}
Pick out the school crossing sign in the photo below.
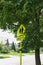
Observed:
{"x":20,"y":36}
{"x":21,"y":32}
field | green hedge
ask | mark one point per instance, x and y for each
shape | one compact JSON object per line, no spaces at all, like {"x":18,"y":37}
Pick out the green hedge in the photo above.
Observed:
{"x":3,"y":48}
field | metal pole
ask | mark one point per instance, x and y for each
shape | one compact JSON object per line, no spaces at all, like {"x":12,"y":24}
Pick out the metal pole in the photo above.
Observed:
{"x":21,"y":53}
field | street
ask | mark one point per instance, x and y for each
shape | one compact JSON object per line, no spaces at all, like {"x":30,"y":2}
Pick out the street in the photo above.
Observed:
{"x":15,"y":60}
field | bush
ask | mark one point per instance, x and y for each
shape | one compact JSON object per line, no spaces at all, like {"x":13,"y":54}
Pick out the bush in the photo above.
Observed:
{"x":5,"y":49}
{"x":1,"y":46}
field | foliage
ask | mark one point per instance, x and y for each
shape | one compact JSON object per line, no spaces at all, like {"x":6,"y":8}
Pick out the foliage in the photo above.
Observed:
{"x":22,"y":11}
{"x":3,"y":48}
{"x":0,"y":46}
{"x":13,"y":46}
{"x":12,"y":52}
{"x":28,"y":13}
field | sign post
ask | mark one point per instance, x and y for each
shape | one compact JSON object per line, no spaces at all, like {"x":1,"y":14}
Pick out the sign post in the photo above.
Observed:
{"x":21,"y":53}
{"x":21,"y":36}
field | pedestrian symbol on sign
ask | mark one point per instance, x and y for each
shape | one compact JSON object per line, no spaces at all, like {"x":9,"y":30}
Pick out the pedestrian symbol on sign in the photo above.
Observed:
{"x":21,"y":32}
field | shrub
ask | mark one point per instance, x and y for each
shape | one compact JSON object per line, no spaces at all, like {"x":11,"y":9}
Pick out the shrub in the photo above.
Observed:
{"x":4,"y":49}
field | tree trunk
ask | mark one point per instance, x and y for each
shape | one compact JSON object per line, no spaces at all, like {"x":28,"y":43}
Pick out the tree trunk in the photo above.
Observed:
{"x":37,"y":57}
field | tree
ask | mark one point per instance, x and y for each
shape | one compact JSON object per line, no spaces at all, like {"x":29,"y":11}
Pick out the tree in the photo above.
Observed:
{"x":20,"y":11}
{"x":25,"y":48}
{"x":13,"y":46}
{"x":7,"y":43}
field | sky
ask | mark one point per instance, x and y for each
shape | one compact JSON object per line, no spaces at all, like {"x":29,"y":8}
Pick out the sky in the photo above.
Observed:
{"x":4,"y":35}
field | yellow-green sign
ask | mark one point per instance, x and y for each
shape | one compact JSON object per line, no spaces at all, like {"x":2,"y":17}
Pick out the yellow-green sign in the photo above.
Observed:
{"x":21,"y":32}
{"x":20,"y":36}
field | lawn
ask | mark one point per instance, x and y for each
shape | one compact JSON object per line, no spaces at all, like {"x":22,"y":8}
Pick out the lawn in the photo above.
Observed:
{"x":4,"y":56}
{"x":8,"y":55}
{"x":12,"y":53}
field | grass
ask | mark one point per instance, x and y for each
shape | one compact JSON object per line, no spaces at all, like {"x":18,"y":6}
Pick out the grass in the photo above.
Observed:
{"x":8,"y":55}
{"x":13,"y":53}
{"x":17,"y":54}
{"x":30,"y":53}
{"x":4,"y":56}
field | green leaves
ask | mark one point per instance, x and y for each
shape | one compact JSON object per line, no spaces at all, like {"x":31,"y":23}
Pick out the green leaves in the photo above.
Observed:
{"x":26,"y":12}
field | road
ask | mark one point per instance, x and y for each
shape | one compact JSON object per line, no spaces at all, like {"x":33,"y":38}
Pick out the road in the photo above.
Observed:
{"x":15,"y":60}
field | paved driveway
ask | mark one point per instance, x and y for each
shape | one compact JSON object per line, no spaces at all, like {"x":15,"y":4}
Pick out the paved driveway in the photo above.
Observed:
{"x":15,"y":60}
